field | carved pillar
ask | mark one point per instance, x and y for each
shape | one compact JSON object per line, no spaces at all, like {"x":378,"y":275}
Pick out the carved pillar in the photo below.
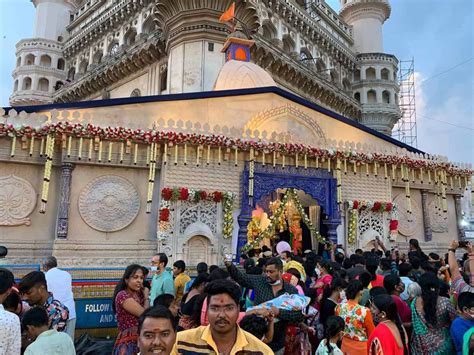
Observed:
{"x":426,"y":216}
{"x":459,"y":216}
{"x":65,"y":194}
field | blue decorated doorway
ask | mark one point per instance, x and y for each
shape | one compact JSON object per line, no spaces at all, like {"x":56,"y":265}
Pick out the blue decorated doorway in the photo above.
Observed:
{"x":317,"y":183}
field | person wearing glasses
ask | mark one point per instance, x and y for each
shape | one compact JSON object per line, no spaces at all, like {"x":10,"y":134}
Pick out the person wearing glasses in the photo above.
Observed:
{"x":223,"y":335}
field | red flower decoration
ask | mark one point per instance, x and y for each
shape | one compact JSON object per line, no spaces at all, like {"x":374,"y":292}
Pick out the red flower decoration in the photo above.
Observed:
{"x":203,"y":195}
{"x":356,"y":205}
{"x":377,"y":206}
{"x":217,"y":196}
{"x":183,"y":194}
{"x":388,"y":207}
{"x":393,"y":225}
{"x":164,"y":215}
{"x":166,"y":194}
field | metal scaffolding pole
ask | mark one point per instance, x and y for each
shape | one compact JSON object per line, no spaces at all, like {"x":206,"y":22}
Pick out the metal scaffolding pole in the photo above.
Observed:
{"x":405,"y":130}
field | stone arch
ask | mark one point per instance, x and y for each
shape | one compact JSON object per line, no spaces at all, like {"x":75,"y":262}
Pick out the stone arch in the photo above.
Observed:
{"x":83,"y":66}
{"x":346,"y":84}
{"x":97,"y":57}
{"x":386,"y":97}
{"x":71,"y":73}
{"x":43,"y":84}
{"x":286,"y":111}
{"x":198,"y":228}
{"x":320,"y":66}
{"x":45,"y":61}
{"x":15,"y":85}
{"x":30,"y":59}
{"x":61,"y":64}
{"x":113,"y":48}
{"x":269,"y":30}
{"x":334,"y":75}
{"x":371,"y":96}
{"x":357,"y":96}
{"x":289,"y":44}
{"x":370,"y":73}
{"x":198,"y":250}
{"x":385,"y":74}
{"x":136,"y":93}
{"x":357,"y":75}
{"x":130,"y":36}
{"x":149,"y":25}
{"x":26,"y":83}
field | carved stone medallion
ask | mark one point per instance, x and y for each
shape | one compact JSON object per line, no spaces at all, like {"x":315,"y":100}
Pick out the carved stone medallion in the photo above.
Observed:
{"x":109,"y":203}
{"x":407,"y":223}
{"x":17,"y":201}
{"x":439,"y":223}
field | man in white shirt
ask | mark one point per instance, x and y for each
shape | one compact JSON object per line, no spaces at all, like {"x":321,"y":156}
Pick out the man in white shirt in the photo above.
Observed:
{"x":46,"y":341}
{"x":10,"y":331}
{"x":60,"y":285}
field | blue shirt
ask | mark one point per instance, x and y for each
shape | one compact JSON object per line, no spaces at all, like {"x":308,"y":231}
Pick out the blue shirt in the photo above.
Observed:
{"x":160,"y":284}
{"x":458,"y":328}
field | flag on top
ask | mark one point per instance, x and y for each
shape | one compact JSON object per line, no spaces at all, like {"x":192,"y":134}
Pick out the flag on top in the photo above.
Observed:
{"x":229,"y":14}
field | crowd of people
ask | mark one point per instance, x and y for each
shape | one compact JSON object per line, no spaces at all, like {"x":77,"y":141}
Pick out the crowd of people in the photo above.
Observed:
{"x":373,"y":302}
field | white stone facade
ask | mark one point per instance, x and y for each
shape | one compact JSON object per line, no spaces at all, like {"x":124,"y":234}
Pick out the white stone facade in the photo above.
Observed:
{"x":113,"y":49}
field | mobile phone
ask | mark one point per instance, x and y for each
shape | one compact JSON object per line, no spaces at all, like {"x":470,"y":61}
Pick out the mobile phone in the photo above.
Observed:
{"x":463,"y":243}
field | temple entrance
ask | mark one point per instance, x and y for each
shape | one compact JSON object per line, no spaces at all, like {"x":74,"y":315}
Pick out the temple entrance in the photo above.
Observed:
{"x":313,"y":189}
{"x":291,"y":226}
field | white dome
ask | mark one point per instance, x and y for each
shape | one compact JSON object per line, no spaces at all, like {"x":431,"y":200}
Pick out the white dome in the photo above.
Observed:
{"x":237,"y":74}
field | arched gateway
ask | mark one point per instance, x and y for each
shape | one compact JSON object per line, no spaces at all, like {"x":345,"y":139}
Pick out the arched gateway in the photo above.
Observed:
{"x":318,"y":183}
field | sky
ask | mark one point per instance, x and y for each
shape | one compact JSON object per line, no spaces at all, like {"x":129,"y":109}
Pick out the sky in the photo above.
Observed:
{"x":438,"y":34}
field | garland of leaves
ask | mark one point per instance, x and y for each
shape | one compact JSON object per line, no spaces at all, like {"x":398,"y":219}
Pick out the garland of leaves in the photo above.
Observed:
{"x":270,"y":230}
{"x":170,"y":195}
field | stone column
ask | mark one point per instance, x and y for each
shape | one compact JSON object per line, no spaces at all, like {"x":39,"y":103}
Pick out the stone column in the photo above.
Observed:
{"x":426,"y":216}
{"x":332,"y":233}
{"x":459,"y":216}
{"x":65,"y":194}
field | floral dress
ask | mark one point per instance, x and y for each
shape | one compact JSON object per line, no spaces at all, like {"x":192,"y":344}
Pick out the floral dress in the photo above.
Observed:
{"x":126,"y":342}
{"x":359,"y":326}
{"x":429,"y":340}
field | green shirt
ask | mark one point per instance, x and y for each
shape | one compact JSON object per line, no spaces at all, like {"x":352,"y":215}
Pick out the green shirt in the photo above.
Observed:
{"x":160,"y":284}
{"x":51,"y":342}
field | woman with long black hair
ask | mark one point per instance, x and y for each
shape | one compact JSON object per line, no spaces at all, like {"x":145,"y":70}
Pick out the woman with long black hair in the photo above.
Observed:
{"x":389,"y":336}
{"x":129,"y":301}
{"x":431,"y":318}
{"x":415,"y":250}
{"x":334,"y":332}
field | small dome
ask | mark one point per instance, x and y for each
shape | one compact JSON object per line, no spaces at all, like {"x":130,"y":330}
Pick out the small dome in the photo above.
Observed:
{"x":237,"y":74}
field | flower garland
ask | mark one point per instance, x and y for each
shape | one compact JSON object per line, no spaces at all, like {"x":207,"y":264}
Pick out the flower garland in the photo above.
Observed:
{"x":356,"y":206}
{"x":170,"y":195}
{"x":50,"y":141}
{"x":352,"y":224}
{"x":270,"y":230}
{"x":123,"y":134}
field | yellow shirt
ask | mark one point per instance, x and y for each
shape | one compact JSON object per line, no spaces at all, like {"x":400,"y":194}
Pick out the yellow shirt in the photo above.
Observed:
{"x":179,"y":283}
{"x":199,"y":341}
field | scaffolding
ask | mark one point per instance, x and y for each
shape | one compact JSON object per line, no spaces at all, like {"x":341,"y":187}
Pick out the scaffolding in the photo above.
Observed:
{"x":405,"y":130}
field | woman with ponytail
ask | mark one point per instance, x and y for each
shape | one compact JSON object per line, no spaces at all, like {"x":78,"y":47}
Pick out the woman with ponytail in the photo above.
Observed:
{"x":431,"y":318}
{"x":334,"y":332}
{"x":389,"y":337}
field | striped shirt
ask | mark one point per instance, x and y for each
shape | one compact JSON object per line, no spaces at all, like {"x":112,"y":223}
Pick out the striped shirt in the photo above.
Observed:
{"x":199,"y":341}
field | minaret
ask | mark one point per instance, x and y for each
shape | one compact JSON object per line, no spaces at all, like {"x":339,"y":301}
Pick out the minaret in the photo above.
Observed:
{"x":375,"y":83}
{"x":40,"y":66}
